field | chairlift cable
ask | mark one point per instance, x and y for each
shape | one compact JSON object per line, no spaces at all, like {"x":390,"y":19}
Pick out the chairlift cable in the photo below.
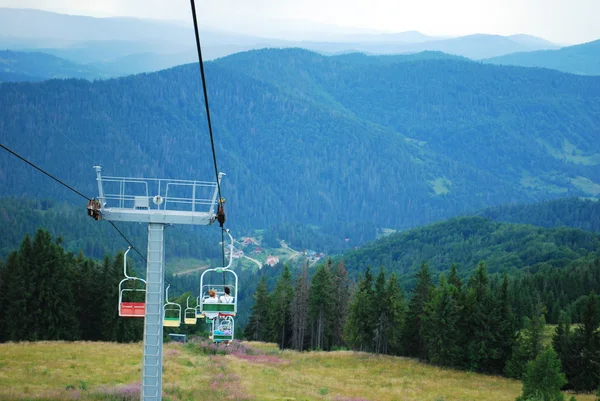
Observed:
{"x":44,"y":172}
{"x":220,"y":211}
{"x":70,"y":188}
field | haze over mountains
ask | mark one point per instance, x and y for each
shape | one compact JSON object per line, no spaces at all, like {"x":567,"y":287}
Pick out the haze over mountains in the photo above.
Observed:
{"x":121,"y":46}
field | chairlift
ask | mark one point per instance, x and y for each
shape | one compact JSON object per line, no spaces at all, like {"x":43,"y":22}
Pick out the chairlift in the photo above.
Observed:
{"x":223,"y":329}
{"x":172,"y":312}
{"x":130,"y":308}
{"x":189,"y":315}
{"x":225,"y":305}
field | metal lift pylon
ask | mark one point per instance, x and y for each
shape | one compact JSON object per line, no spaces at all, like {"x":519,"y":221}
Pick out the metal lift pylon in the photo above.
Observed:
{"x":158,"y":202}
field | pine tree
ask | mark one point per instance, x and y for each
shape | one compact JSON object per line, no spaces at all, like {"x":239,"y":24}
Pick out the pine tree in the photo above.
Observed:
{"x":381,"y":310}
{"x":358,"y":331}
{"x":413,"y":336}
{"x":454,"y":278}
{"x":442,"y":325}
{"x":299,"y":308}
{"x":257,"y":327}
{"x":397,"y":313}
{"x":529,"y":344}
{"x":341,"y":295}
{"x":18,"y":317}
{"x":3,"y":302}
{"x":321,"y":307}
{"x":482,"y":351}
{"x":586,"y":343}
{"x":281,"y":319}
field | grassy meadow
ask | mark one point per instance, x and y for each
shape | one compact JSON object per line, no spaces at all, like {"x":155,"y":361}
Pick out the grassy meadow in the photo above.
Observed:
{"x":53,"y":371}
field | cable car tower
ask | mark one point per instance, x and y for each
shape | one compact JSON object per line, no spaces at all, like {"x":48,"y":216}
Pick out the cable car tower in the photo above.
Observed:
{"x":158,"y":202}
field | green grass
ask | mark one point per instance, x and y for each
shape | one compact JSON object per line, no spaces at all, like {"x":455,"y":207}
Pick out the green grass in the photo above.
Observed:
{"x":60,"y":371}
{"x":186,"y":266}
{"x":586,"y":185}
{"x":440,"y":186}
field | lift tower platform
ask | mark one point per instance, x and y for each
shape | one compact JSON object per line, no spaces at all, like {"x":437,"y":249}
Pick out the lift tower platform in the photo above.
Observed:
{"x":158,"y":202}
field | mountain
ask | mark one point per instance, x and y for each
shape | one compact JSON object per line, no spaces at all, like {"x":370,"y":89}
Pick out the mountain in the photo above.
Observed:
{"x":581,"y":59}
{"x":317,"y":140}
{"x":19,"y":66}
{"x":148,"y":45}
{"x":534,"y":41}
{"x":505,"y":247}
{"x":480,"y":46}
{"x":570,"y":212}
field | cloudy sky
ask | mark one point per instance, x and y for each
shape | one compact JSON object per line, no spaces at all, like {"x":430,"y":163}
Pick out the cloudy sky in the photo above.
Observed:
{"x":560,"y":21}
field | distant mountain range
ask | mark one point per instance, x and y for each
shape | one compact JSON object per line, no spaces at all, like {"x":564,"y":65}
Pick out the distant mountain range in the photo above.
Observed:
{"x":122,"y":46}
{"x":581,"y":59}
{"x":390,"y":141}
{"x":21,"y":66}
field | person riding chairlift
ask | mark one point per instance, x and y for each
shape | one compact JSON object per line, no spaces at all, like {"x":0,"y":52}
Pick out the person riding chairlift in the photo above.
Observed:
{"x":226,"y":298}
{"x":212,"y":297}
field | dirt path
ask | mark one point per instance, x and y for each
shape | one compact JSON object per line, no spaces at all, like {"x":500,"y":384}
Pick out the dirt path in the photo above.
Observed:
{"x":255,"y":261}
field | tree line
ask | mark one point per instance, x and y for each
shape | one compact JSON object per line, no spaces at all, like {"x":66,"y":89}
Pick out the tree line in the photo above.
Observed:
{"x":485,"y":323}
{"x":47,"y":293}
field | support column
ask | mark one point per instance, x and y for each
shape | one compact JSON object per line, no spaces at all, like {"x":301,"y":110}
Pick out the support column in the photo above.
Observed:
{"x":153,"y":324}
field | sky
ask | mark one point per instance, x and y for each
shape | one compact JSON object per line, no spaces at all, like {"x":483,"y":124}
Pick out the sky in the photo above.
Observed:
{"x":560,"y":21}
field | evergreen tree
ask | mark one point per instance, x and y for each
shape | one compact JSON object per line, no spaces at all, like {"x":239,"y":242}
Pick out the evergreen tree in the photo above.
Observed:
{"x":397,"y":312}
{"x":322,"y":307}
{"x":341,"y":295}
{"x":586,"y":344}
{"x":484,"y":346}
{"x":18,"y":317}
{"x":299,"y":308}
{"x":529,"y":344}
{"x":281,"y":319}
{"x":358,"y":331}
{"x":413,"y":336}
{"x":382,"y":312}
{"x":442,"y":325}
{"x":562,"y":342}
{"x":507,"y":327}
{"x":454,"y":278}
{"x":257,"y":327}
{"x":3,"y":302}
{"x":543,"y":378}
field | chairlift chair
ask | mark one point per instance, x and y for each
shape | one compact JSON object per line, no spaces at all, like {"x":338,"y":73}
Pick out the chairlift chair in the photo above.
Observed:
{"x":223,"y":329}
{"x":173,"y":310}
{"x":212,"y":310}
{"x":130,"y":308}
{"x":189,"y":315}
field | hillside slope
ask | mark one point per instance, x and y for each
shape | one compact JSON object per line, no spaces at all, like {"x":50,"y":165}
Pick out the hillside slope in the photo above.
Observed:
{"x":570,"y":212}
{"x":250,"y":371}
{"x":583,"y":59}
{"x":307,"y":138}
{"x":21,"y":66}
{"x":505,"y":247}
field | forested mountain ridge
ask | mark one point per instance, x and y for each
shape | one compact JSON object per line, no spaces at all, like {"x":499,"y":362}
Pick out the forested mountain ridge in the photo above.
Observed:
{"x":465,"y":241}
{"x":569,"y":212}
{"x":307,"y":138}
{"x":35,"y":66}
{"x":581,"y":59}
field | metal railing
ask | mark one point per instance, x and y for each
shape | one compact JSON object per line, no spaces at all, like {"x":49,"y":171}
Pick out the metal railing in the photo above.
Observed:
{"x":157,"y":194}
